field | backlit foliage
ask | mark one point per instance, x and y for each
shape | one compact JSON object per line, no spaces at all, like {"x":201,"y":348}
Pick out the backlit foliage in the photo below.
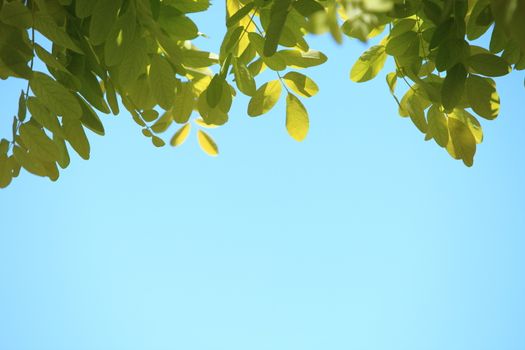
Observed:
{"x":137,"y":54}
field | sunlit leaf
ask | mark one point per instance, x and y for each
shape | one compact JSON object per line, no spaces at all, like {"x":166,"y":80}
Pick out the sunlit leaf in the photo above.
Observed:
{"x":264,"y":98}
{"x":297,"y":122}
{"x":207,"y":144}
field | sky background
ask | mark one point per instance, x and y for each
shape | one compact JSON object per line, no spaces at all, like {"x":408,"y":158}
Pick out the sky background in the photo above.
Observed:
{"x":362,"y":237}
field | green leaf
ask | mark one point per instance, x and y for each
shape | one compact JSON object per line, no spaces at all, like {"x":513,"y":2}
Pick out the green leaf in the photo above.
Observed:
{"x":332,"y":20}
{"x":22,"y":108}
{"x":414,"y":108}
{"x":391,"y":80}
{"x":90,"y":119}
{"x":469,"y":120}
{"x":237,"y":16}
{"x":243,"y":78}
{"x":264,"y":98}
{"x":214,"y":91}
{"x":275,"y":62}
{"x":16,"y":14}
{"x":476,"y":26}
{"x":111,"y":96}
{"x":307,"y":7}
{"x":133,"y":64}
{"x":297,"y":122}
{"x":103,"y":18}
{"x":46,"y":25}
{"x":41,"y":114}
{"x":150,"y":115}
{"x":462,"y":144}
{"x":450,"y":53}
{"x":402,"y":26}
{"x":29,"y":162}
{"x":50,"y":60}
{"x":181,"y":135}
{"x":184,"y":103}
{"x":453,"y":86}
{"x":299,"y":59}
{"x":4,"y":146}
{"x":117,"y":45}
{"x":231,"y":40}
{"x":163,"y":123}
{"x":398,"y":45}
{"x":278,"y":15}
{"x":437,"y":125}
{"x":498,"y":39}
{"x":5,"y":171}
{"x":187,"y":6}
{"x":489,"y":65}
{"x":63,"y":158}
{"x":369,"y":64}
{"x":483,"y":97}
{"x":76,"y":137}
{"x":55,"y":96}
{"x":162,"y":81}
{"x":38,"y":142}
{"x":301,"y":84}
{"x":217,"y":115}
{"x":157,"y":141}
{"x":178,"y":26}
{"x":442,"y":33}
{"x":207,"y":144}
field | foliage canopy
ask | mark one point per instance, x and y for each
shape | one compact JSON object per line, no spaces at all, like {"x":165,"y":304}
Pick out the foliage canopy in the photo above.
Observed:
{"x":138,"y":54}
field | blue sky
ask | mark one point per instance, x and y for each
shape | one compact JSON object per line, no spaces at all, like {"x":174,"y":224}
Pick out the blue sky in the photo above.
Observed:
{"x":362,"y":237}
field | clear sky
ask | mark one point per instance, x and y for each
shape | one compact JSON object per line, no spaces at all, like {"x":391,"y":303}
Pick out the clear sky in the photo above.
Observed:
{"x":362,"y":237}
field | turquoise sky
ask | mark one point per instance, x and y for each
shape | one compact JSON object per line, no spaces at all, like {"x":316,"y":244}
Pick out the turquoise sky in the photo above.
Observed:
{"x":362,"y":237}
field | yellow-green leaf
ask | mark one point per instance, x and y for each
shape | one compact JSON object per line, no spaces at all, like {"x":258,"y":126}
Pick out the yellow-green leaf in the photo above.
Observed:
{"x":483,"y":97}
{"x":297,"y":122}
{"x":181,"y":135}
{"x":55,"y":96}
{"x":462,"y":144}
{"x":299,"y":59}
{"x":275,"y":62}
{"x":207,"y":144}
{"x":162,"y":81}
{"x":369,"y":64}
{"x":243,"y":78}
{"x":470,"y":121}
{"x":264,"y":98}
{"x":301,"y":84}
{"x":437,"y":125}
{"x":163,"y":123}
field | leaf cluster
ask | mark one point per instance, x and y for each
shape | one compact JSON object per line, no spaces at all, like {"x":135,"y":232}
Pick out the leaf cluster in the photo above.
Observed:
{"x":138,"y":55}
